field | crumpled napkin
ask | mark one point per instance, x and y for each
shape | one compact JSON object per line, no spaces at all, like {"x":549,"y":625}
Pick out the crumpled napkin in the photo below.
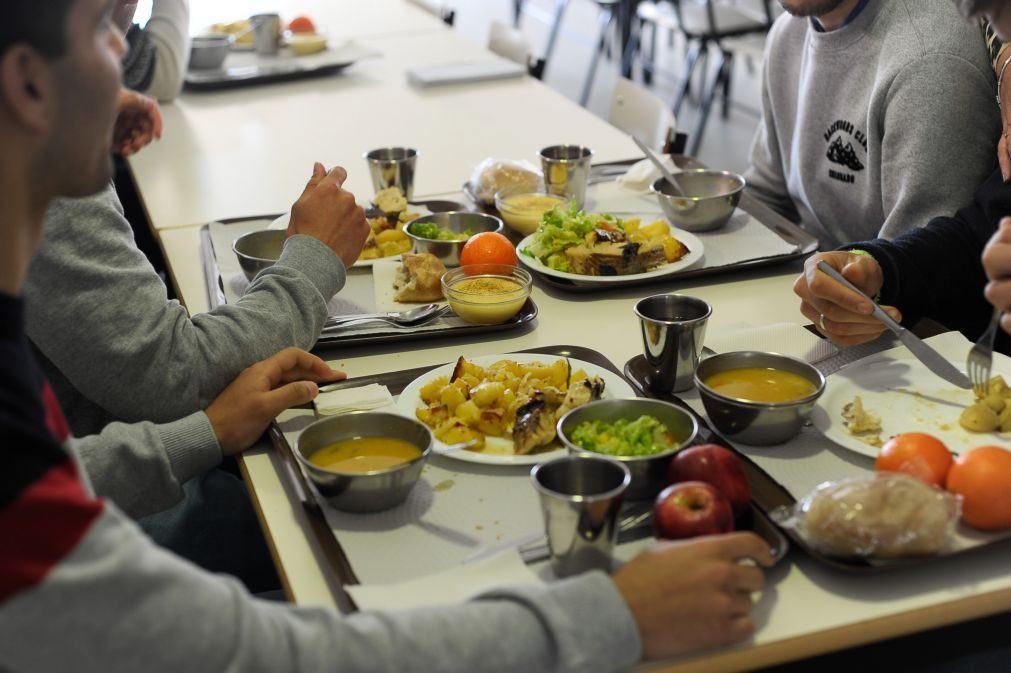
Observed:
{"x":641,"y":174}
{"x":372,"y":396}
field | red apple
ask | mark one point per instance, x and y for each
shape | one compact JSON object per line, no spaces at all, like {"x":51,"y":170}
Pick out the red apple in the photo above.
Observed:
{"x":690,"y":509}
{"x":714,"y":465}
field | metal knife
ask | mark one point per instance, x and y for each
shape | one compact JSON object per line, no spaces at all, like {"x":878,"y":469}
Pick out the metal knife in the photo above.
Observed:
{"x":924,"y":353}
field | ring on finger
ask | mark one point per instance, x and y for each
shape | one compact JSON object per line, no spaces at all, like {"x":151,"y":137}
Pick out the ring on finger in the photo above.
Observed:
{"x":821,"y":322}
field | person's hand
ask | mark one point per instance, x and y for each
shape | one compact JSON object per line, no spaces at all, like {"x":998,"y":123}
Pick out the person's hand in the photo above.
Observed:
{"x":330,"y":214}
{"x":997,"y":264}
{"x":138,"y":123}
{"x":244,"y":409}
{"x":1003,"y":146}
{"x":839,"y":313}
{"x":693,"y":594}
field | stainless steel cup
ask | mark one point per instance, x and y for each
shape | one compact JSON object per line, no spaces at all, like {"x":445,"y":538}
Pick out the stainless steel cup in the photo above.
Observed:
{"x":266,"y":33}
{"x":673,"y":330}
{"x":580,"y":499}
{"x":566,"y":170}
{"x":393,"y":167}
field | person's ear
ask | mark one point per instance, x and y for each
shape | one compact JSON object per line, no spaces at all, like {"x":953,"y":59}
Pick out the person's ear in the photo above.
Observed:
{"x":27,"y":87}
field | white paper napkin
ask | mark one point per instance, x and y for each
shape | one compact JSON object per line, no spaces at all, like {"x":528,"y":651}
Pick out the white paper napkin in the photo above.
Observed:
{"x":641,"y":174}
{"x":784,"y":338}
{"x":450,"y":587}
{"x":372,"y":396}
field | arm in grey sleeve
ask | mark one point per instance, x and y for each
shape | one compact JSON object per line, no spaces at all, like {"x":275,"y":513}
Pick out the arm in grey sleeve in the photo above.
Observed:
{"x":142,"y":466}
{"x":765,"y":178}
{"x":934,"y":153}
{"x":100,"y":314}
{"x":169,"y":31}
{"x":118,"y":603}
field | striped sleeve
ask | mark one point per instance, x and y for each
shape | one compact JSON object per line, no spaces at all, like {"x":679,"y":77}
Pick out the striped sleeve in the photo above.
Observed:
{"x":994,"y":44}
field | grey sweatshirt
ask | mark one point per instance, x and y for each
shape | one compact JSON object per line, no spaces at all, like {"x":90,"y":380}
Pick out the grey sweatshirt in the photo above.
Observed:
{"x":877,"y":127}
{"x":115,"y":348}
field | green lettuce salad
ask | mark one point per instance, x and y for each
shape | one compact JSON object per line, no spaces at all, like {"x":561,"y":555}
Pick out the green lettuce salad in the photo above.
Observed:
{"x":645,"y":436}
{"x":562,"y":228}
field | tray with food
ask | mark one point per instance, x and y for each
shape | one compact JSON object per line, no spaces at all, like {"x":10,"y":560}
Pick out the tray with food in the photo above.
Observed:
{"x":299,"y":59}
{"x":752,"y":236}
{"x":464,"y":508}
{"x":894,"y":521}
{"x":397,"y":287}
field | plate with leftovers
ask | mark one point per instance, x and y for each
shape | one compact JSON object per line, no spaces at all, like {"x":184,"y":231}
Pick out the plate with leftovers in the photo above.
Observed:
{"x":608,"y":249}
{"x":871,"y":400}
{"x":509,"y":403}
{"x":387,"y":220}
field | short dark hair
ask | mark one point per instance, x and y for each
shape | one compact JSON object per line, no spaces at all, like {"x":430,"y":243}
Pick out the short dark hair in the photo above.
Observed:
{"x":41,"y":24}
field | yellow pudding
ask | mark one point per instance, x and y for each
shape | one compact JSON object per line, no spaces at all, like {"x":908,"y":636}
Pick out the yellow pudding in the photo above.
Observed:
{"x":524,"y":212}
{"x":761,"y":384}
{"x":364,"y":454}
{"x":486,"y":300}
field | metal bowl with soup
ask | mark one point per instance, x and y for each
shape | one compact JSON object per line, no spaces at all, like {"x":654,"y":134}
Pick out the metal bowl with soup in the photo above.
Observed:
{"x":758,"y":398}
{"x":364,"y":461}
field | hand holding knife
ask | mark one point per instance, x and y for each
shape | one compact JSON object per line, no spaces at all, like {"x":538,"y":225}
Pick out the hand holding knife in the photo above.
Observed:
{"x":924,"y":353}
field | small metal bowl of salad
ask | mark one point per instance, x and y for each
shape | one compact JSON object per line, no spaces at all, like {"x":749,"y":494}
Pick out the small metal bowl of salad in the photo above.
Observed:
{"x":643,"y":434}
{"x":443,"y":234}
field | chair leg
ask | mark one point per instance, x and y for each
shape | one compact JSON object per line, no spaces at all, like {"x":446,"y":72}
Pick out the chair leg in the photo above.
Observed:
{"x":556,"y":27}
{"x":728,"y":71}
{"x":604,"y":21}
{"x":517,"y":12}
{"x":707,"y":104}
{"x":686,"y":79}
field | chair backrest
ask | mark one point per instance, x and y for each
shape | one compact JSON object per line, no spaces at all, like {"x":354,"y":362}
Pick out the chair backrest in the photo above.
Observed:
{"x":509,"y":42}
{"x":640,"y":113}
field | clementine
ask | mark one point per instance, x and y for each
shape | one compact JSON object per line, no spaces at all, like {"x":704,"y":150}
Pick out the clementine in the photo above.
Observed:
{"x":917,"y":454}
{"x":488,"y":247}
{"x":983,"y":478}
{"x":302,"y":24}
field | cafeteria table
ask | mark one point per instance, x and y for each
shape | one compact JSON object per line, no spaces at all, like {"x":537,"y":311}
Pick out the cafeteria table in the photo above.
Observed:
{"x":246,"y":152}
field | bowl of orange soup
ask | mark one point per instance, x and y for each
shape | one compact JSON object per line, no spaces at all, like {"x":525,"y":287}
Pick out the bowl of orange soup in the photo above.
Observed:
{"x":364,"y":461}
{"x":758,"y":398}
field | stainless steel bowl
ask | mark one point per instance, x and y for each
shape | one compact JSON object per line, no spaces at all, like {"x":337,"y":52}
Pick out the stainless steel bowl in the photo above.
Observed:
{"x":758,"y":423}
{"x":259,"y":249}
{"x":649,"y":473}
{"x":457,"y":221}
{"x":364,"y":491}
{"x":208,"y":52}
{"x":710,"y":201}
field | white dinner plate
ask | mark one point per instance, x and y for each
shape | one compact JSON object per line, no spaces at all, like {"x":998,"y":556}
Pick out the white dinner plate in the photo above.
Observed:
{"x":692,"y":242}
{"x":282,"y":223}
{"x":410,"y":401}
{"x":907,"y":396}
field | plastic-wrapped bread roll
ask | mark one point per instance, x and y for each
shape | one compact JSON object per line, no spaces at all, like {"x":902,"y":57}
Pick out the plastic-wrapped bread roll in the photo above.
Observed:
{"x":883,"y":515}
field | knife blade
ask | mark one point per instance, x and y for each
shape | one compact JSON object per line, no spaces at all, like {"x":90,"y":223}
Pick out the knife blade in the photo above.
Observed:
{"x":933,"y":360}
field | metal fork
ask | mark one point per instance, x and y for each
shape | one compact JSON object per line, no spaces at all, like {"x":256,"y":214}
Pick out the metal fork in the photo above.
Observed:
{"x":981,"y":357}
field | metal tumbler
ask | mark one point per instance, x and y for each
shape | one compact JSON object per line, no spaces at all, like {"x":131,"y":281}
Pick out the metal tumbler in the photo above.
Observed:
{"x":393,"y":167}
{"x":266,"y":33}
{"x":580,"y":499}
{"x":566,"y":170}
{"x":673,"y":331}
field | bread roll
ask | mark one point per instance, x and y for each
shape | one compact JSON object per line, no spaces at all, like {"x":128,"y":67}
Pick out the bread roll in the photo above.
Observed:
{"x":419,"y":278}
{"x":884,"y":515}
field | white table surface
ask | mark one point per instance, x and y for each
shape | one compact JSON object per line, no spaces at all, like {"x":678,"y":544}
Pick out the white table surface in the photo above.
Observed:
{"x":250,"y":151}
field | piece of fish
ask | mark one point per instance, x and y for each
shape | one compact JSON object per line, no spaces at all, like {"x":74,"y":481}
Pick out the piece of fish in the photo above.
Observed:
{"x":535,"y":425}
{"x":587,"y":390}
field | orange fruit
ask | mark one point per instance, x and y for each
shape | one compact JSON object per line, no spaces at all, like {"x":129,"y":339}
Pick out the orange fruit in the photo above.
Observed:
{"x":983,"y":478}
{"x":488,"y":247}
{"x":302,"y":24}
{"x":917,"y":454}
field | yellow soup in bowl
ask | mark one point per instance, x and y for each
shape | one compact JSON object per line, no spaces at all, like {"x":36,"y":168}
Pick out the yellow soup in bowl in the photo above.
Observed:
{"x":761,"y":384}
{"x":364,"y":454}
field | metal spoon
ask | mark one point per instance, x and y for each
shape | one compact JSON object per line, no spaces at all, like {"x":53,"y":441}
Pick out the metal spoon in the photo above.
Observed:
{"x":667,"y":175}
{"x":409,"y":318}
